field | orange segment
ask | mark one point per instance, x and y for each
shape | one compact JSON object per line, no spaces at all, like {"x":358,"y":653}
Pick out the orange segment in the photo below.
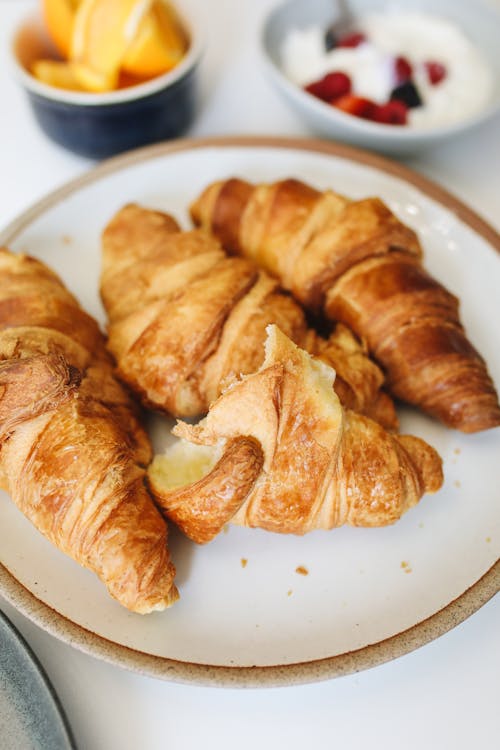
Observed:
{"x":102,"y":32}
{"x":111,"y":43}
{"x":59,"y":16}
{"x":55,"y":73}
{"x":160,"y":43}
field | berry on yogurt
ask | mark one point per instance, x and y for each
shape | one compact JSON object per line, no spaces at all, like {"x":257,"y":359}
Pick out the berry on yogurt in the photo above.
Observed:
{"x":403,"y":69}
{"x":356,"y":105}
{"x":354,"y":39}
{"x":393,"y":113}
{"x":407,"y":93}
{"x":330,"y":87}
{"x":436,"y":71}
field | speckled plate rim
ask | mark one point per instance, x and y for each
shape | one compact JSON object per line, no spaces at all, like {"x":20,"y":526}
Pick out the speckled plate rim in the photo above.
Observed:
{"x":277,"y":675}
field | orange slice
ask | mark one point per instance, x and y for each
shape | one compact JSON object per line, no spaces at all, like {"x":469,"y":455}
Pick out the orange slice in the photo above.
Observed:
{"x":159,"y":45}
{"x":59,"y":16}
{"x":55,"y":73}
{"x":103,"y":31}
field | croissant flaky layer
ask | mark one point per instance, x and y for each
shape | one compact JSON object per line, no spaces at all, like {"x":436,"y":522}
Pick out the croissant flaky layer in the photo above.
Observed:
{"x":185,"y":320}
{"x":355,"y":262}
{"x":72,"y":449}
{"x":288,"y":458}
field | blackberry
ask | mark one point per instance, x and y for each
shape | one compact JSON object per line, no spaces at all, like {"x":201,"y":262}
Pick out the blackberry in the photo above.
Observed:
{"x":407,"y":93}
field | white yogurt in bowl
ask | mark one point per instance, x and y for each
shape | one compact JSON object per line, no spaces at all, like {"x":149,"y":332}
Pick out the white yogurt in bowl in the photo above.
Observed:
{"x":464,"y":91}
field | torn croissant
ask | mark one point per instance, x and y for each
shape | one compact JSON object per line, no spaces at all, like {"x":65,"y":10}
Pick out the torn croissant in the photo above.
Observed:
{"x":278,"y":451}
{"x":72,"y":450}
{"x":185,"y":320}
{"x":355,"y":262}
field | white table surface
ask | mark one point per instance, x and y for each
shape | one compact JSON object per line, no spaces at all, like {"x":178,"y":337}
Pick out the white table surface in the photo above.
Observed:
{"x":444,"y":695}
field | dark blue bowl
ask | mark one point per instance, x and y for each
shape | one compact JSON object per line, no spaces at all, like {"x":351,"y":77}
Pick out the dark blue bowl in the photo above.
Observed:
{"x":101,"y":125}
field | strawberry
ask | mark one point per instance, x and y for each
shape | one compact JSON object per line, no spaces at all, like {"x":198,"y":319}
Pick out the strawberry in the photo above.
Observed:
{"x":354,"y":39}
{"x":356,"y":105}
{"x":436,"y":71}
{"x":330,"y":87}
{"x":392,"y":113}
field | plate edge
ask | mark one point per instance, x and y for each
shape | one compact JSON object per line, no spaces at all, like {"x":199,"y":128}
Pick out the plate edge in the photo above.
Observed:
{"x":430,"y":188}
{"x":279,"y":675}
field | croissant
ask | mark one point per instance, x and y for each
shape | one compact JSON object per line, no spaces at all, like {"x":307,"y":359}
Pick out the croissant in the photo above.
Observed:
{"x":355,"y":262}
{"x":185,"y":320}
{"x":72,"y":449}
{"x":278,"y":451}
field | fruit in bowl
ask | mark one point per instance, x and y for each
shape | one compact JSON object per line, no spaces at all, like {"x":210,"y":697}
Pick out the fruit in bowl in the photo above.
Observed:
{"x":92,"y":72}
{"x":104,"y":45}
{"x":395,"y":67}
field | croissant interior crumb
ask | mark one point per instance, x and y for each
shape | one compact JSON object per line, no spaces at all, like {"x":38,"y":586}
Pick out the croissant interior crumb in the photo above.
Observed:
{"x":321,"y":373}
{"x":183,"y":463}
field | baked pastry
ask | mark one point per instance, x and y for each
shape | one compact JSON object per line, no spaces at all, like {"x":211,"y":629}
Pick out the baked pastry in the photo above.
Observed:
{"x":185,"y":320}
{"x":355,"y":262}
{"x":278,"y":451}
{"x":72,"y":449}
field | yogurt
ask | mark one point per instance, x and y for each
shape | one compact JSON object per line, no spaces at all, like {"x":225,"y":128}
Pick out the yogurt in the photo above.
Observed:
{"x":419,"y":37}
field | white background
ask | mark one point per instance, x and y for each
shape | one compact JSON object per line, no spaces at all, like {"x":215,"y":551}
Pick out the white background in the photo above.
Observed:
{"x":445,"y":695}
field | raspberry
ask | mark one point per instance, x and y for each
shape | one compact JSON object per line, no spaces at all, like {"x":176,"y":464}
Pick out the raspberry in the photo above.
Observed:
{"x":436,"y":71}
{"x":402,"y":69}
{"x":392,"y":113}
{"x":354,"y":39}
{"x":356,"y":105}
{"x":330,"y":87}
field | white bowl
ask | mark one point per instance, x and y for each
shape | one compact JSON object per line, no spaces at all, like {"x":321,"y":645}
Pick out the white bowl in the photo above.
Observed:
{"x":479,"y":21}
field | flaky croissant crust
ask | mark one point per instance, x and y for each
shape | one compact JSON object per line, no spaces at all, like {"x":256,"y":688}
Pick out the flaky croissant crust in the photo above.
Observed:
{"x":72,"y":451}
{"x":293,"y":459}
{"x":185,"y":320}
{"x":355,"y":262}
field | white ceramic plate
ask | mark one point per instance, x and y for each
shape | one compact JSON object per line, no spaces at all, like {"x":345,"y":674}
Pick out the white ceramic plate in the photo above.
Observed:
{"x":370,"y":594}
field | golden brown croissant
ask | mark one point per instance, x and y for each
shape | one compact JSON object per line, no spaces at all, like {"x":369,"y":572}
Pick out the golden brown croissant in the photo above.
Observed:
{"x":355,"y":262}
{"x":185,"y":320}
{"x":72,"y":451}
{"x":279,"y":452}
